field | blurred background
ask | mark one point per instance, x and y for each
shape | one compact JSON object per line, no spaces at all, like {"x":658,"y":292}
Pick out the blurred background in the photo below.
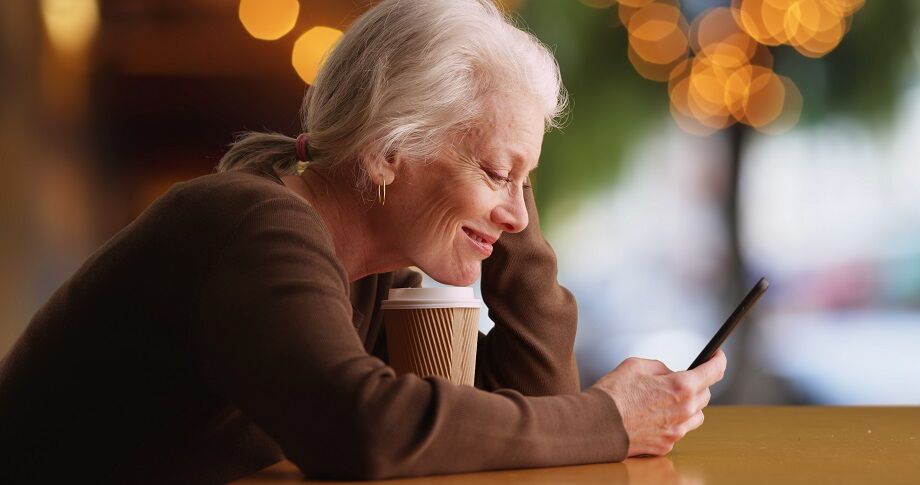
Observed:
{"x":710,"y":143}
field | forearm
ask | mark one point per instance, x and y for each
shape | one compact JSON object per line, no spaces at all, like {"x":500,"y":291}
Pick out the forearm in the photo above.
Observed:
{"x":409,"y":426}
{"x":530,"y":349}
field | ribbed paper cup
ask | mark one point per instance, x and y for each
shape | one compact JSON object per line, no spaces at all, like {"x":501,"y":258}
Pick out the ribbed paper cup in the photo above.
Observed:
{"x":433,"y":332}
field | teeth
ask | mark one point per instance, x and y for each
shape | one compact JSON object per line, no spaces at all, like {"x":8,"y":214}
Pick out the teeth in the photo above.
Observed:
{"x":476,"y":238}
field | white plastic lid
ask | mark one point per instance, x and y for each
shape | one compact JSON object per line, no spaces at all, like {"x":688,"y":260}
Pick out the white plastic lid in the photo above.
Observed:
{"x":448,"y":297}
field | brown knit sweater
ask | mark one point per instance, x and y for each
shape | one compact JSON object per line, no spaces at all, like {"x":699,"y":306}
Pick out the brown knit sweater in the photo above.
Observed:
{"x":218,"y":333}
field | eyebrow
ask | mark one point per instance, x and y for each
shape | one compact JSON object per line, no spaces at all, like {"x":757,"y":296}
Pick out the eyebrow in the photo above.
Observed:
{"x":517,"y":156}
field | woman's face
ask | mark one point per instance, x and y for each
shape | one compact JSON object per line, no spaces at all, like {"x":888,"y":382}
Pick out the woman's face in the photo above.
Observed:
{"x":452,"y":209}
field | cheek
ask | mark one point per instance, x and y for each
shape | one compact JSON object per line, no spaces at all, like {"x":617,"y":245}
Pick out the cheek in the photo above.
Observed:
{"x":461,"y":199}
{"x":442,"y":217}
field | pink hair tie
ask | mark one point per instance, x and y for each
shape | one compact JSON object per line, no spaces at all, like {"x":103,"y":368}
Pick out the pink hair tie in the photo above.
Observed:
{"x":303,"y":149}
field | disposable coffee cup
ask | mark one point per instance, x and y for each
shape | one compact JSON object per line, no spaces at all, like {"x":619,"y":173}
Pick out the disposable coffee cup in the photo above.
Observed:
{"x":433,"y":332}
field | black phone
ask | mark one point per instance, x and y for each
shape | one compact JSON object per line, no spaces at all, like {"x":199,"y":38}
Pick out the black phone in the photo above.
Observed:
{"x":719,"y":338}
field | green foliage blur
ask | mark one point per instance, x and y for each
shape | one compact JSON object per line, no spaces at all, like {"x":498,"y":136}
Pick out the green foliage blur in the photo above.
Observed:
{"x":612,"y":107}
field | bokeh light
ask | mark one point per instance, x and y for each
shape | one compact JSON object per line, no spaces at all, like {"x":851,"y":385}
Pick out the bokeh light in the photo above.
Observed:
{"x":636,"y":3}
{"x":714,"y":34}
{"x":70,"y":24}
{"x":269,"y":19}
{"x":658,"y":38}
{"x":310,"y":51}
{"x":658,"y":33}
{"x":719,"y":69}
{"x":812,"y":27}
{"x":792,"y":109}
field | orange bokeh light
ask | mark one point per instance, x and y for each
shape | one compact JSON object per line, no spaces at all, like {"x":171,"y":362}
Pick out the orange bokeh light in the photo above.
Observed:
{"x":268,"y":19}
{"x":634,"y":3}
{"x":719,"y":68}
{"x":658,"y":33}
{"x":715,"y":34}
{"x":812,"y":27}
{"x":650,"y":70}
{"x":791,"y":110}
{"x":762,"y":101}
{"x":310,"y":50}
{"x":679,"y":91}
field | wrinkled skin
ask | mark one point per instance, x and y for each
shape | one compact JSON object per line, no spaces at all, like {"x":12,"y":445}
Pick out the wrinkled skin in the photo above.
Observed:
{"x":659,"y":406}
{"x":478,"y":184}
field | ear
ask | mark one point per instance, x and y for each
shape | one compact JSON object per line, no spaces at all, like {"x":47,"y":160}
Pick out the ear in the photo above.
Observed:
{"x":383,"y":170}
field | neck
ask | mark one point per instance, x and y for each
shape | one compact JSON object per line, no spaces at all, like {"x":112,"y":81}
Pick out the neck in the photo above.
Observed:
{"x":360,"y":243}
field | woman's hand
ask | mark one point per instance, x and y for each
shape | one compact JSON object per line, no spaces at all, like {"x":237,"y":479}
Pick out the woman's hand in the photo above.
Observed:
{"x":658,"y":406}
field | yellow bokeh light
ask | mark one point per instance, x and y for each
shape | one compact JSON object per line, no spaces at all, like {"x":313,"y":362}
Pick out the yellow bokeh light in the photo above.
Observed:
{"x":70,"y":23}
{"x":268,"y":19}
{"x":310,"y":51}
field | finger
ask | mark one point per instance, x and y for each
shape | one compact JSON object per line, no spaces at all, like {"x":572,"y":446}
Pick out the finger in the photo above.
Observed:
{"x":712,"y":370}
{"x":695,"y":422}
{"x":645,"y":366}
{"x":705,"y":396}
{"x":653,"y":367}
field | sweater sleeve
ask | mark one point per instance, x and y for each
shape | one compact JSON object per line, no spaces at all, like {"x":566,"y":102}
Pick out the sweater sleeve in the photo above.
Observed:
{"x":531,"y":346}
{"x":274,"y":336}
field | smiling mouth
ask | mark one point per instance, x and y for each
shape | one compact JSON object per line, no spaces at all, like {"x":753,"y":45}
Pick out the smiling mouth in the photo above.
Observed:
{"x":479,"y":241}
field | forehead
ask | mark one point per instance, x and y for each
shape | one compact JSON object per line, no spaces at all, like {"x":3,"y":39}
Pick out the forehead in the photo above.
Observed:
{"x":510,"y":133}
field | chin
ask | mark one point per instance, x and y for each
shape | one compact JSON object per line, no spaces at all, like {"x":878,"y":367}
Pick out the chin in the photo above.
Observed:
{"x":458,"y":277}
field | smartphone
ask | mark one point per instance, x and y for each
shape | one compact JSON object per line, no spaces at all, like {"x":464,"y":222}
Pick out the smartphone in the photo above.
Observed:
{"x":719,"y":338}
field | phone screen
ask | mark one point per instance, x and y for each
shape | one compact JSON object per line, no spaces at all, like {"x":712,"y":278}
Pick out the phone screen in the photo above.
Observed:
{"x":719,"y":338}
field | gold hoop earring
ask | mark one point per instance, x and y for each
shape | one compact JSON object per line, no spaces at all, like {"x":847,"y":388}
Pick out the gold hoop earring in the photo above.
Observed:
{"x":382,"y":194}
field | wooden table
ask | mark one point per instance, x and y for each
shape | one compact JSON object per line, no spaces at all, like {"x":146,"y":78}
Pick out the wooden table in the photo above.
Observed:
{"x":736,"y":445}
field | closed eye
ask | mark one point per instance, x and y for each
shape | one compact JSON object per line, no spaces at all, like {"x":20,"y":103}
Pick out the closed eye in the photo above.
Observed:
{"x":495,"y":176}
{"x":498,"y":177}
{"x":505,"y":180}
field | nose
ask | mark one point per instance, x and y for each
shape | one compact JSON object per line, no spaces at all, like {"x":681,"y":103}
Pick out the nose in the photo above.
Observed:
{"x":511,"y":215}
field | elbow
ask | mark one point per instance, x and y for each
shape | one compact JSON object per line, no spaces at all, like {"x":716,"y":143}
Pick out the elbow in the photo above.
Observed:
{"x":374,"y":467}
{"x":376,"y":458}
{"x":358,"y":459}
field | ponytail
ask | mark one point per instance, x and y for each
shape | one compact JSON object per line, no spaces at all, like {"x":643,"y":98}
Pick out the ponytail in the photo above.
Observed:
{"x":252,"y":148}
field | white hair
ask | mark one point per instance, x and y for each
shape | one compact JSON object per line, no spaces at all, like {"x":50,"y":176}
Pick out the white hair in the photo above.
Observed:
{"x":405,"y":78}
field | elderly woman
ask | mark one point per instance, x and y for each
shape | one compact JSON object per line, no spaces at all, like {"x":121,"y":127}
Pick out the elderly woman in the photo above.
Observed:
{"x":237,"y":322}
